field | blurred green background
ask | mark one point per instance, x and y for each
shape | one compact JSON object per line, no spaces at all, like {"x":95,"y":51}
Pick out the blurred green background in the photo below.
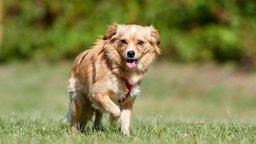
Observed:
{"x":196,"y":84}
{"x":191,"y":31}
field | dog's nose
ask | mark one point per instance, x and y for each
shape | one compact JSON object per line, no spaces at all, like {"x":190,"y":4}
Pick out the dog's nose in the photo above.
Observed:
{"x":130,"y":54}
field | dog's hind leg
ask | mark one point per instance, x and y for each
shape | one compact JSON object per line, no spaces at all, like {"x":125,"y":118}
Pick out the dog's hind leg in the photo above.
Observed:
{"x":80,"y":111}
{"x":71,"y":116}
{"x":75,"y":110}
{"x":97,"y":125}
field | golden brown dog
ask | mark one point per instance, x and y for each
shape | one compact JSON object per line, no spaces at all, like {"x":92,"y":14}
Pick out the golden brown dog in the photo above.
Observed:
{"x":107,"y":77}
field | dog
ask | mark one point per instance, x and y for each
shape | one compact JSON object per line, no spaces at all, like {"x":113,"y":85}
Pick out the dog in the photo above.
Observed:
{"x":107,"y":77}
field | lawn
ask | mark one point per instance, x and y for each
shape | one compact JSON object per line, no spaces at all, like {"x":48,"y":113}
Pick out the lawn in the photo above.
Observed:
{"x":193,"y":103}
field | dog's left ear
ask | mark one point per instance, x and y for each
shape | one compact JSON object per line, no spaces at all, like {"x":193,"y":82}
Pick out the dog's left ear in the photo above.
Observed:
{"x":154,"y":38}
{"x":111,"y":31}
{"x":154,"y":35}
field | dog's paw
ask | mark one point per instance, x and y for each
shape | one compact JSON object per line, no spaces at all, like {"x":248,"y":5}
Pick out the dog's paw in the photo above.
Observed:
{"x":74,"y":129}
{"x":116,"y":123}
{"x":98,"y":128}
{"x":125,"y":131}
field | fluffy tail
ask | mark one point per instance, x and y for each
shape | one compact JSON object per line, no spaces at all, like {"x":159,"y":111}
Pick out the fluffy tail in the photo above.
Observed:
{"x":72,"y":96}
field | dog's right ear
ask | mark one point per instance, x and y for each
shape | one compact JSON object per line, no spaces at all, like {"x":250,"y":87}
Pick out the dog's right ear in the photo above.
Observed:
{"x":111,"y":31}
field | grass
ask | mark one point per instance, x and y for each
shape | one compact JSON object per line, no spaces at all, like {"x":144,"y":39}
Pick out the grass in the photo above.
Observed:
{"x":179,"y":104}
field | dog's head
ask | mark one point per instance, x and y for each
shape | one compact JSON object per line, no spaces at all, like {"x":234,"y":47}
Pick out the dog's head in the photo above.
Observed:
{"x":137,"y":45}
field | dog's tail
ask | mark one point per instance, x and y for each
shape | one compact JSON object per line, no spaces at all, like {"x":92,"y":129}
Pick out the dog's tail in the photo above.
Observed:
{"x":68,"y":115}
{"x":72,"y":96}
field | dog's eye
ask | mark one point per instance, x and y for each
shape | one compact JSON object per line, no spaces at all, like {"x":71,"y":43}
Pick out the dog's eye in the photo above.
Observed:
{"x":123,"y":41}
{"x":140,"y":42}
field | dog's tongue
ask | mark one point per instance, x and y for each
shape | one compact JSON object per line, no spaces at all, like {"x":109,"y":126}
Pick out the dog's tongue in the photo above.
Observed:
{"x":131,"y":63}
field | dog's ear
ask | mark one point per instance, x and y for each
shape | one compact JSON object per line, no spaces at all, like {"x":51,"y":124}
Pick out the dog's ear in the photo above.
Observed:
{"x":111,"y":31}
{"x":154,"y":35}
{"x":154,"y":38}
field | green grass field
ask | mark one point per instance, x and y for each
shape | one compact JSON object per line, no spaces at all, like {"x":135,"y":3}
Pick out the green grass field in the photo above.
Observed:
{"x":179,"y":104}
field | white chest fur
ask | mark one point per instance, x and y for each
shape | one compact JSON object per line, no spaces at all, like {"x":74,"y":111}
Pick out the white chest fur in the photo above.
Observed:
{"x":120,"y":89}
{"x":135,"y":90}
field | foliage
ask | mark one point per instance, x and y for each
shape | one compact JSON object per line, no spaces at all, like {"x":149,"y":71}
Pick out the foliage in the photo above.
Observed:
{"x":190,"y":30}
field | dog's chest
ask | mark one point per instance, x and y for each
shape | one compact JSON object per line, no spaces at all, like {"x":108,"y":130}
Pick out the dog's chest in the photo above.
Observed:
{"x":121,"y":89}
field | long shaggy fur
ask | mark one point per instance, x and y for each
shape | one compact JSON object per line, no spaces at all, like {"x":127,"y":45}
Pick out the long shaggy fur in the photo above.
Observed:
{"x":110,"y":71}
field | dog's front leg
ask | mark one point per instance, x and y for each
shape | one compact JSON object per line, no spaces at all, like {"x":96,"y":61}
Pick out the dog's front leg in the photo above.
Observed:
{"x":103,"y":102}
{"x":126,"y":117}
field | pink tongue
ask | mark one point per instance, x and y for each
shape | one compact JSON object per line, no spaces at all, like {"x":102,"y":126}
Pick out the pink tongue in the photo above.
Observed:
{"x":131,"y":64}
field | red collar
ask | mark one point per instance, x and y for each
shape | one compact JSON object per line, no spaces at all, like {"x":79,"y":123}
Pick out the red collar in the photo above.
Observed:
{"x":128,"y":87}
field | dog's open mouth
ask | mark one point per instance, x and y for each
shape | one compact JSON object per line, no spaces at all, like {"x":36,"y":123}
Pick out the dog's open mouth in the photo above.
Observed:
{"x":131,"y":63}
